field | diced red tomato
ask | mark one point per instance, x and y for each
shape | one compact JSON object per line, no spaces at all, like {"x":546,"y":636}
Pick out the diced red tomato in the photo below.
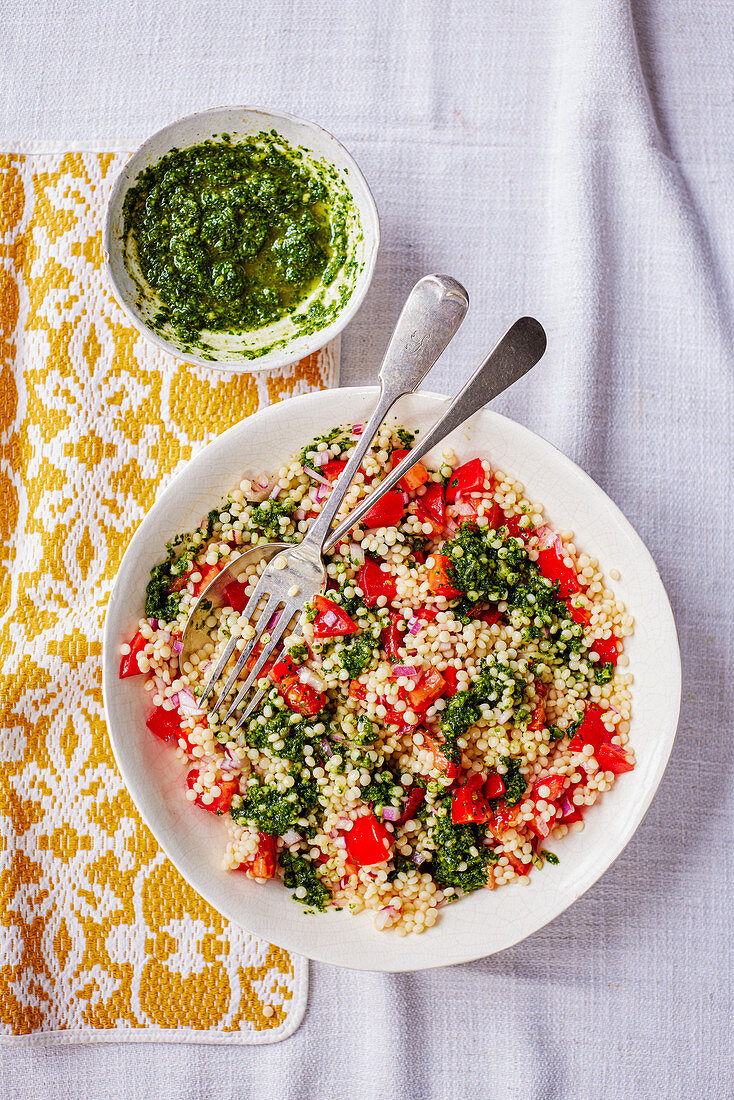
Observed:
{"x":540,"y":825}
{"x":552,"y":565}
{"x":518,"y":867}
{"x":416,"y":476}
{"x":415,"y":799}
{"x":613,"y":759}
{"x":388,"y":511}
{"x":392,"y":716}
{"x":440,"y":760}
{"x":331,"y":619}
{"x":221,"y":803}
{"x":392,"y":637}
{"x":495,"y":786}
{"x":302,"y":697}
{"x":357,"y":690}
{"x":504,"y":818}
{"x":431,"y":507}
{"x":576,"y":813}
{"x":554,"y":784}
{"x":165,"y":724}
{"x":235,"y":595}
{"x":368,"y":842}
{"x":375,"y":582}
{"x":263,"y":864}
{"x":490,"y":616}
{"x":512,"y":523}
{"x":208,"y":573}
{"x":430,"y":614}
{"x":607,"y":648}
{"x":451,"y":681}
{"x":592,"y":731}
{"x":580,"y":615}
{"x":468,"y":803}
{"x":469,"y":478}
{"x":537,"y":719}
{"x":431,"y":685}
{"x":541,"y":689}
{"x":438,"y":578}
{"x":283,"y":669}
{"x":129,"y":663}
{"x":332,"y":470}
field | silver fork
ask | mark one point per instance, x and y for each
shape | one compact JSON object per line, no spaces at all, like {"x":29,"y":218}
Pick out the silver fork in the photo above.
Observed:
{"x":302,"y":572}
{"x":431,"y":316}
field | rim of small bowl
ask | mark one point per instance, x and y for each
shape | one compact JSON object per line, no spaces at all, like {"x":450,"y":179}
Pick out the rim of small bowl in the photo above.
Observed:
{"x":385,"y":957}
{"x":317,"y":340}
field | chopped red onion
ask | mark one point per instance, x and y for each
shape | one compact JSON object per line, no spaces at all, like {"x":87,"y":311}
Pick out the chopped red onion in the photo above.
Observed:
{"x":414,"y":625}
{"x":327,"y":751}
{"x":321,"y":492}
{"x":356,"y":552}
{"x":336,"y":736}
{"x":290,"y":837}
{"x":187,"y":703}
{"x":357,"y":429}
{"x":548,"y":539}
{"x":173,"y":699}
{"x":321,"y":458}
{"x":329,"y":617}
{"x":273,"y":620}
{"x":178,"y":647}
{"x":300,"y":513}
{"x":392,"y":910}
{"x":405,"y":670}
{"x":230,"y":758}
{"x":567,"y":807}
{"x":391,"y":813}
{"x":420,"y":857}
{"x":274,"y":491}
{"x":319,"y":477}
{"x":307,"y":676}
{"x":153,"y":623}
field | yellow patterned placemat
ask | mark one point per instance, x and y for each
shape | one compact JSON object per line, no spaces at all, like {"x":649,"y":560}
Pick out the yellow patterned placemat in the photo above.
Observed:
{"x":100,"y":937}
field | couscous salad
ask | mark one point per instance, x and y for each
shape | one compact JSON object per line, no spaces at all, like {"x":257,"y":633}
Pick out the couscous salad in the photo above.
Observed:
{"x":453,"y":702}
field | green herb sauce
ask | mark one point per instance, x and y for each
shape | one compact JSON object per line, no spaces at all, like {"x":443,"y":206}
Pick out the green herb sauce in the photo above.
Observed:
{"x":235,"y":236}
{"x":299,"y":871}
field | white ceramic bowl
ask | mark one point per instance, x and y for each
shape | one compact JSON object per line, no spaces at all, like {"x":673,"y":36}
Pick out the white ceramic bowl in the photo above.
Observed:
{"x":485,"y":921}
{"x":241,"y":352}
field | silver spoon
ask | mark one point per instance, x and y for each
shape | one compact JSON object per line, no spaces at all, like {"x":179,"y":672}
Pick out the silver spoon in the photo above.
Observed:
{"x":296,"y":572}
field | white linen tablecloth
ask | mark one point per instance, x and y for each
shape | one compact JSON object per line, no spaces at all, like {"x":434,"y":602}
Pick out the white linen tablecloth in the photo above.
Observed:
{"x":568,"y":159}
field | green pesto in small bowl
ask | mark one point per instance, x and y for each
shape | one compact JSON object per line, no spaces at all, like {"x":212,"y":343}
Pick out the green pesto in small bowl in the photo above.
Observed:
{"x":236,"y":237}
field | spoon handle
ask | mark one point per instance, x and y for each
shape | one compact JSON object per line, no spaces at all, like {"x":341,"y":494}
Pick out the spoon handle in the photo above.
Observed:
{"x":513,"y":356}
{"x":435,"y":308}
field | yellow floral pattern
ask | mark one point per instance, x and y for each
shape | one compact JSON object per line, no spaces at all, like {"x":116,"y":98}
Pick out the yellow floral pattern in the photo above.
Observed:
{"x":97,"y":930}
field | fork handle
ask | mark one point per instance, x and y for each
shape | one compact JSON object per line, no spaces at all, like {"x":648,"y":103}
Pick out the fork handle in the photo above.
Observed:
{"x":512,"y":356}
{"x":435,"y":308}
